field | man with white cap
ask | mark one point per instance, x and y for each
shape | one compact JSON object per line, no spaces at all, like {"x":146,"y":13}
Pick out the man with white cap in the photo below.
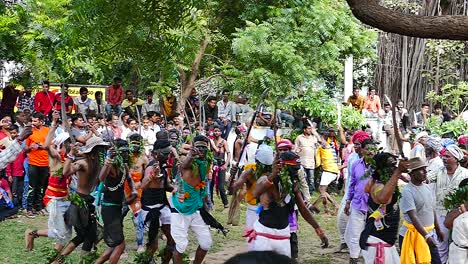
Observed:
{"x":264,"y":159}
{"x":448,"y":180}
{"x":434,"y":162}
{"x":56,"y":193}
{"x":419,"y":144}
{"x":278,"y":194}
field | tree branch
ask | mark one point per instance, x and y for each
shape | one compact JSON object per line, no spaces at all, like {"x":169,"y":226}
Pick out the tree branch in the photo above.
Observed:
{"x":435,"y":27}
{"x":198,"y":58}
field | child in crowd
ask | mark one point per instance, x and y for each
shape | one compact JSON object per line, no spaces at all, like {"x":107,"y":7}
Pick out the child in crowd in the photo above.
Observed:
{"x":15,"y":171}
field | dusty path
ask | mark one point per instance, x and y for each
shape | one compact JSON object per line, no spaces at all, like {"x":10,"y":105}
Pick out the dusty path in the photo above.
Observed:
{"x":230,"y":249}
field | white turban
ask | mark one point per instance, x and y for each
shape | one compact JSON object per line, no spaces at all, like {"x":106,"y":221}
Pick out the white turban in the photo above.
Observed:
{"x":434,"y":142}
{"x":421,"y":135}
{"x":455,"y":151}
{"x":264,"y":154}
{"x":58,"y":140}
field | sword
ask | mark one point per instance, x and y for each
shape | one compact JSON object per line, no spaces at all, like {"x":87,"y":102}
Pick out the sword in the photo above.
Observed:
{"x":64,"y":114}
{"x":396,"y":131}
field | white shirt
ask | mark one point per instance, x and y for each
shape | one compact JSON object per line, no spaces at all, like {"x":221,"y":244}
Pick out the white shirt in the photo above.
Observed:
{"x":227,"y":111}
{"x":446,"y":185}
{"x":147,"y":107}
{"x":83,"y":107}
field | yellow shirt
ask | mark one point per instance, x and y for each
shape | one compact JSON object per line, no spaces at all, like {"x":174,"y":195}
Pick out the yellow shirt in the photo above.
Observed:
{"x":325,"y":158}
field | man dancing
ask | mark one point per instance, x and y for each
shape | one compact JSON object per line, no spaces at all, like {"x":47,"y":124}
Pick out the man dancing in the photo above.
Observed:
{"x":56,"y":192}
{"x":264,"y":161}
{"x":190,"y":202}
{"x":84,"y":163}
{"x":138,"y":163}
{"x":278,"y":195}
{"x":155,"y":206}
{"x":114,"y":174}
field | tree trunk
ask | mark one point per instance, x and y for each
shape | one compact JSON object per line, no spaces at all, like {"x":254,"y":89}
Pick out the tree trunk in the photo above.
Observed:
{"x":373,"y":14}
{"x":187,"y":82}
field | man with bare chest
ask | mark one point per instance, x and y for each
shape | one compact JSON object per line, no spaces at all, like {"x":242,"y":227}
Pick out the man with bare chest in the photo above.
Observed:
{"x":278,"y":193}
{"x":155,"y":206}
{"x":84,"y":162}
{"x":190,"y":200}
{"x":220,"y":149}
{"x":138,"y":163}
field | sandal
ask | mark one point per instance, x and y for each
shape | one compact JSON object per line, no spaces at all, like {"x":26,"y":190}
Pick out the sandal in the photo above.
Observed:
{"x":29,"y":236}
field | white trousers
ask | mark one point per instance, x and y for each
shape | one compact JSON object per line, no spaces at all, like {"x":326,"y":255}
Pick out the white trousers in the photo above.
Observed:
{"x":391,"y":253}
{"x":180,"y":225}
{"x":356,"y":223}
{"x":261,"y":243}
{"x":342,"y":220}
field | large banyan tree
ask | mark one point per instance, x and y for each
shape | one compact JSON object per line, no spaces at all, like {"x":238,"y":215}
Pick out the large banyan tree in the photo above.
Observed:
{"x":422,"y":47}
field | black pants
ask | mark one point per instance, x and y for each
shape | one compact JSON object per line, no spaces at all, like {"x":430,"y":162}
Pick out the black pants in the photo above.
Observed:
{"x":7,"y":212}
{"x":435,"y":258}
{"x":17,"y":188}
{"x":113,"y":226}
{"x":38,"y":179}
{"x":221,"y":187}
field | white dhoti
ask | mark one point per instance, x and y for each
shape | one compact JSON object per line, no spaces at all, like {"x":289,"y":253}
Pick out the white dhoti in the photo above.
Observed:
{"x":379,"y":249}
{"x":443,"y":246}
{"x":165,"y":213}
{"x":356,"y":223}
{"x":56,"y":226}
{"x":179,"y":230}
{"x":262,"y":238}
{"x":250,"y":216}
{"x":458,"y":250}
{"x":342,"y":220}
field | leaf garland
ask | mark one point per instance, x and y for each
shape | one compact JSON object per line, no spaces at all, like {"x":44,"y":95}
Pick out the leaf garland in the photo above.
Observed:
{"x":456,"y":198}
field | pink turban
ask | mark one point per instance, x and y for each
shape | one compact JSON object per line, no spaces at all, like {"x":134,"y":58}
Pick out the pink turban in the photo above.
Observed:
{"x":360,"y":136}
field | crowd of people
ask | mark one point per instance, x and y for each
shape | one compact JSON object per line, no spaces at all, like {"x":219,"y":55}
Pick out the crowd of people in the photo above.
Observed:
{"x":88,"y":165}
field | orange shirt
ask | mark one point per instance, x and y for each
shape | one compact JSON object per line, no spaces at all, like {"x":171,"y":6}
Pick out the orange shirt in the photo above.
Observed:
{"x":372,"y":104}
{"x":38,"y":157}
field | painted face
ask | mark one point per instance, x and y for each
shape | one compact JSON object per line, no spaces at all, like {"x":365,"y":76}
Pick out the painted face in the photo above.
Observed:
{"x":173,"y":139}
{"x":162,"y":155}
{"x":135,"y":146}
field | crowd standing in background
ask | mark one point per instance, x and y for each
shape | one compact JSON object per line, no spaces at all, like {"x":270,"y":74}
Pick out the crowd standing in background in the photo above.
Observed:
{"x":119,"y":153}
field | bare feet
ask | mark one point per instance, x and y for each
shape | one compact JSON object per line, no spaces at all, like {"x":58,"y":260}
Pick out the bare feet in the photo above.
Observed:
{"x":29,"y":236}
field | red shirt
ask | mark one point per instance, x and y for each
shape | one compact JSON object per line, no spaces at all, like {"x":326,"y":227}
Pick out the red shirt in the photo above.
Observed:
{"x":114,"y":96}
{"x":16,"y":168}
{"x":58,"y":102}
{"x":43,"y":102}
{"x":5,"y":185}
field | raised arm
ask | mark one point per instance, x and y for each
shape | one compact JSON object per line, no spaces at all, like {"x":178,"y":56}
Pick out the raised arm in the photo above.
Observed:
{"x":385,"y":195}
{"x":53,"y":128}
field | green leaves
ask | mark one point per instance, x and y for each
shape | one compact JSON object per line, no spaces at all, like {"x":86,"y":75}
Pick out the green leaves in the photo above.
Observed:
{"x":456,"y":198}
{"x":297,"y":44}
{"x":453,"y":97}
